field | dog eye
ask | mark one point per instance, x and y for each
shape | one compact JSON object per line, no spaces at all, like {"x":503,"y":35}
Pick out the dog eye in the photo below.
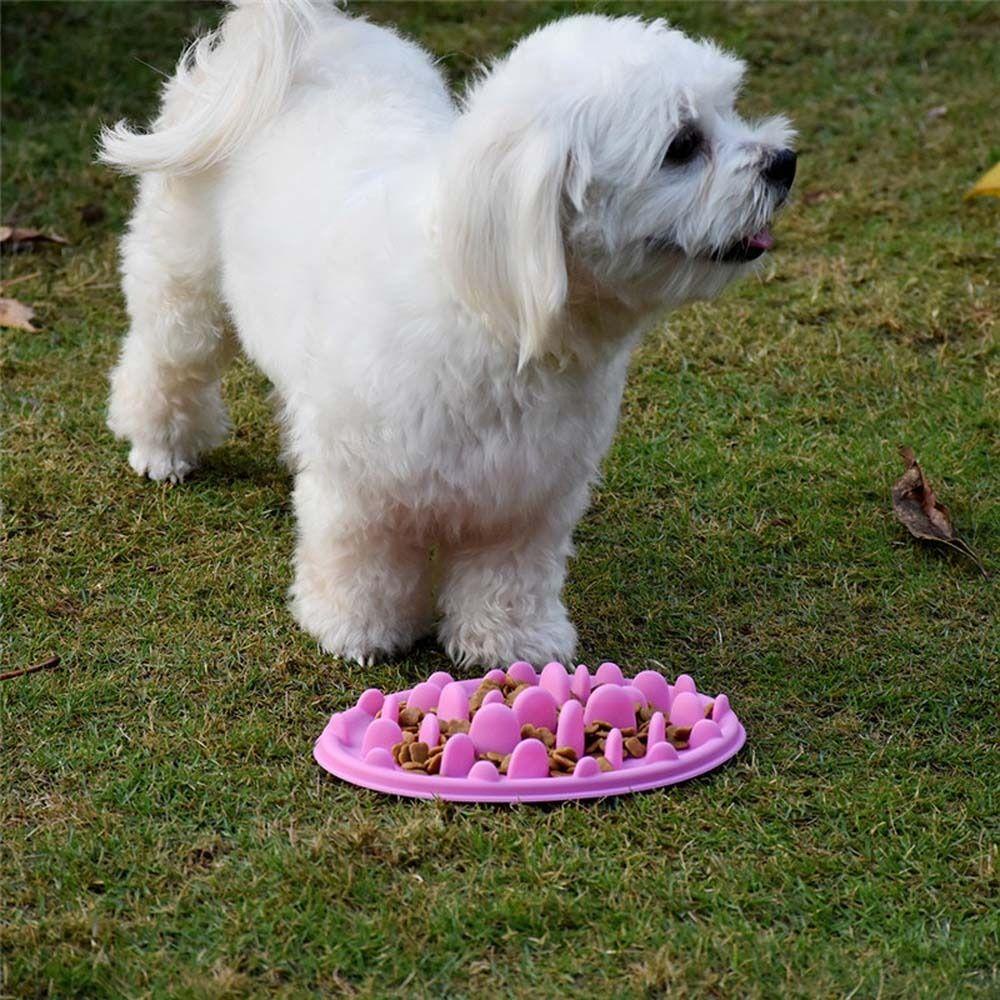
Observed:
{"x":686,"y":143}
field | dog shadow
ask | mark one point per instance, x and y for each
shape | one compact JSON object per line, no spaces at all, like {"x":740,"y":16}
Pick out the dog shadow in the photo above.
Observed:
{"x":229,"y":464}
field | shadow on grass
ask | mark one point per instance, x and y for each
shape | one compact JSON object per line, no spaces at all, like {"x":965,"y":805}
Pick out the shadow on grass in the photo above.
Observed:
{"x":235,"y":464}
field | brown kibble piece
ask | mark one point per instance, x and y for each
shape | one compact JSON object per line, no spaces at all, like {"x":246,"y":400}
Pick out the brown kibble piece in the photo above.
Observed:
{"x":412,"y":765}
{"x":590,"y":730}
{"x":505,"y":763}
{"x":708,"y":709}
{"x":681,"y":745}
{"x":476,"y":701}
{"x":628,"y":731}
{"x":604,"y":764}
{"x":409,"y":738}
{"x":404,"y":753}
{"x":568,"y":752}
{"x":546,"y":736}
{"x":433,"y":765}
{"x":527,"y":731}
{"x":409,"y":717}
{"x":635,"y":747}
{"x":554,"y":773}
{"x":419,"y":752}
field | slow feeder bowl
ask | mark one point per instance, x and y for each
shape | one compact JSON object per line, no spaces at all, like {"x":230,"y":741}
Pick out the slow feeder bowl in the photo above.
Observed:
{"x":522,"y":736}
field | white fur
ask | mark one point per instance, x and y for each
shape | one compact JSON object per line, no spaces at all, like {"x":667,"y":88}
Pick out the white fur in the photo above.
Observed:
{"x":444,"y":298}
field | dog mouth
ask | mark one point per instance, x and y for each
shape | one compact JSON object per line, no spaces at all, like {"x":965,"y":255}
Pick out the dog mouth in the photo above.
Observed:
{"x":746,"y":249}
{"x":743,"y":250}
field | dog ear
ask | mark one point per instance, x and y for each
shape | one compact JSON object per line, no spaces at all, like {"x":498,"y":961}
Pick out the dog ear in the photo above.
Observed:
{"x":502,"y":228}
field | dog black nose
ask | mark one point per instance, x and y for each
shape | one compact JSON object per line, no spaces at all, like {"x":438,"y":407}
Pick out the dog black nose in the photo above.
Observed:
{"x":781,"y":169}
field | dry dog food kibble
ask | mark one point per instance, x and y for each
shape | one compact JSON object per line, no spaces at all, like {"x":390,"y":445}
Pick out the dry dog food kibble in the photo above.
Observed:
{"x":409,"y":717}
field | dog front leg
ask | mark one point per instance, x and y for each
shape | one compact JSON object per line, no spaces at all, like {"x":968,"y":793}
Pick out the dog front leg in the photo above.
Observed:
{"x":361,"y":587}
{"x":502,"y":601}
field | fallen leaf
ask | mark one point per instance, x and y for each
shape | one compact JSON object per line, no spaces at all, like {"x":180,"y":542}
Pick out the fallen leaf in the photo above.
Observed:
{"x":988,"y":184}
{"x":16,"y":315}
{"x":15,"y":239}
{"x":814,"y":197}
{"x":917,"y":508}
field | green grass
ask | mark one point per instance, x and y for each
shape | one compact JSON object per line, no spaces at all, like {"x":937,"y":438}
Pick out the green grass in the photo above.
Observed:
{"x":164,"y":831}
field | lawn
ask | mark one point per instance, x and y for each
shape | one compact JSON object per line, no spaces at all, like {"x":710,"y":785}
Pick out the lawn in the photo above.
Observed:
{"x":164,"y":829}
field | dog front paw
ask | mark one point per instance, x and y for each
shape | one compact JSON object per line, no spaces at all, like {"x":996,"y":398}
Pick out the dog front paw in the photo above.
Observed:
{"x":358,"y":637}
{"x":347,"y":642}
{"x":487,"y":642}
{"x":160,"y":464}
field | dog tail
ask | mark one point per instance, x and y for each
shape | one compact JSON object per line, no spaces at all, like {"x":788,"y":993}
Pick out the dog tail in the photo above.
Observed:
{"x":227,"y":85}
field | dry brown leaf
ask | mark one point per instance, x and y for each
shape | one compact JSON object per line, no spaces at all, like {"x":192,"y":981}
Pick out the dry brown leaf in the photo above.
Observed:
{"x":15,"y":239}
{"x":814,"y":197}
{"x":917,"y":508}
{"x":16,"y":315}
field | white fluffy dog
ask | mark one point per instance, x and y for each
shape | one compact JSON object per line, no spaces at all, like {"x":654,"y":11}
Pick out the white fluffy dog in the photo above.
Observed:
{"x":444,"y":297}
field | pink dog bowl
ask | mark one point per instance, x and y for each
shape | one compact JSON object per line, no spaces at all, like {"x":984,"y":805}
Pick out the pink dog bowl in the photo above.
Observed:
{"x":523,"y":736}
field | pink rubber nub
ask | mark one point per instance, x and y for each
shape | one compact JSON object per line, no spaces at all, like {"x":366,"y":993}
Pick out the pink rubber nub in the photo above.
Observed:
{"x":357,"y":744}
{"x":530,"y":759}
{"x":609,"y":673}
{"x":569,"y":732}
{"x":555,"y":679}
{"x":522,"y":673}
{"x":454,"y":702}
{"x":430,"y":730}
{"x":686,"y":709}
{"x":495,"y":729}
{"x":424,"y":696}
{"x":537,"y":707}
{"x":581,"y":684}
{"x":654,"y":686}
{"x":371,"y":701}
{"x":609,"y":703}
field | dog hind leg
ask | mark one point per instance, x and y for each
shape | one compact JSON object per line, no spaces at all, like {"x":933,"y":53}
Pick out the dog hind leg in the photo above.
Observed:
{"x":165,"y":389}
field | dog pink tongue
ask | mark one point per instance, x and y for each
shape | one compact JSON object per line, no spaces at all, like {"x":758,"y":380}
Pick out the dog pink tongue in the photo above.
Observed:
{"x":762,"y":240}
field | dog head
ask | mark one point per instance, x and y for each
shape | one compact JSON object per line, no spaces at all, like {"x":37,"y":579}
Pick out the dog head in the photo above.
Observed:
{"x":602,"y":159}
